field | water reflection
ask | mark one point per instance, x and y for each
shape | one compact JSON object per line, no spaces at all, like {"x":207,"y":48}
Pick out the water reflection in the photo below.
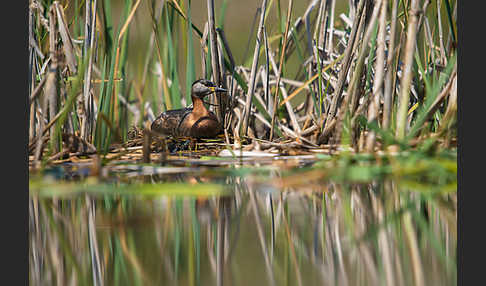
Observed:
{"x":377,"y":233}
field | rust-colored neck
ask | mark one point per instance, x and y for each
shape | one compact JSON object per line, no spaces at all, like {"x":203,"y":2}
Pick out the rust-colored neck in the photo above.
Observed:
{"x":198,"y":106}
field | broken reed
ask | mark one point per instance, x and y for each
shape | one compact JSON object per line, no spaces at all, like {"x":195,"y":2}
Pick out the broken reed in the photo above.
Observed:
{"x":375,"y":74}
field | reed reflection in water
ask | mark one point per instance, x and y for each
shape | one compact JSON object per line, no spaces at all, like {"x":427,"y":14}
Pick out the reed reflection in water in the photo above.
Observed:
{"x":334,"y":234}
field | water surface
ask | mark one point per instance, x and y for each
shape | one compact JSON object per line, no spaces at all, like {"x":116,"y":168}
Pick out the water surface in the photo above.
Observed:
{"x":237,"y":225}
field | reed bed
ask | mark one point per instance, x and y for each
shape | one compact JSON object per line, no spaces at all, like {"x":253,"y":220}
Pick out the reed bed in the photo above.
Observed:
{"x":375,"y":81}
{"x":382,"y":75}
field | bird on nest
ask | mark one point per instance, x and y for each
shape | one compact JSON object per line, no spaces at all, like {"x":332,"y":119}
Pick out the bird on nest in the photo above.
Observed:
{"x":196,"y":121}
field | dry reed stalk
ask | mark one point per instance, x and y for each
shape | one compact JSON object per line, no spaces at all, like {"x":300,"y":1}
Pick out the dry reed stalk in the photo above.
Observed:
{"x":45,"y":128}
{"x":306,"y":84}
{"x":290,"y":109}
{"x":331,"y":28}
{"x":279,"y":73}
{"x":293,"y":35}
{"x":443,"y":94}
{"x":407,"y":75}
{"x":292,"y":134}
{"x":309,"y":130}
{"x":354,"y":86}
{"x":295,"y":30}
{"x":360,"y":31}
{"x":37,"y":90}
{"x":88,"y":116}
{"x":453,"y":28}
{"x":230,"y":80}
{"x":265,"y":76}
{"x":429,"y":37}
{"x":245,"y":71}
{"x":257,"y":115}
{"x":323,"y":26}
{"x":236,"y":129}
{"x":422,"y":14}
{"x":373,"y":110}
{"x":32,"y":121}
{"x":230,"y":83}
{"x":451,"y":110}
{"x":222,"y":72}
{"x":450,"y":115}
{"x":39,"y":141}
{"x":251,"y":86}
{"x":319,"y":21}
{"x":308,"y":24}
{"x":204,"y":50}
{"x":345,"y":65}
{"x":219,"y":102}
{"x":67,"y":43}
{"x":363,"y":52}
{"x":33,"y":46}
{"x":257,"y":95}
{"x":52,"y":88}
{"x":327,"y":131}
{"x":388,"y":92}
{"x":361,"y":108}
{"x":147,"y":140}
{"x":352,"y":94}
{"x":226,"y":48}
{"x":288,"y":81}
{"x":443,"y":59}
{"x":32,"y":77}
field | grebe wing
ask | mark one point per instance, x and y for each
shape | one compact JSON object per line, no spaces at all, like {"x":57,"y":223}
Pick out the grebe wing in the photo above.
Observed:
{"x":168,"y":122}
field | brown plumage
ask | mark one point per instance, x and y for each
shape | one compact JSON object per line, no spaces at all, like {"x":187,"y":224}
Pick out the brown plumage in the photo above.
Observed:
{"x":196,"y":122}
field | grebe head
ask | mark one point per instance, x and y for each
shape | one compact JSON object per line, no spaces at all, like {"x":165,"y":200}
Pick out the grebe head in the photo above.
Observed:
{"x":204,"y":87}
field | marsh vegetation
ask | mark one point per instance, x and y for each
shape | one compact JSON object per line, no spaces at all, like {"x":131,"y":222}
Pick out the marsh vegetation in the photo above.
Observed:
{"x":337,"y":162}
